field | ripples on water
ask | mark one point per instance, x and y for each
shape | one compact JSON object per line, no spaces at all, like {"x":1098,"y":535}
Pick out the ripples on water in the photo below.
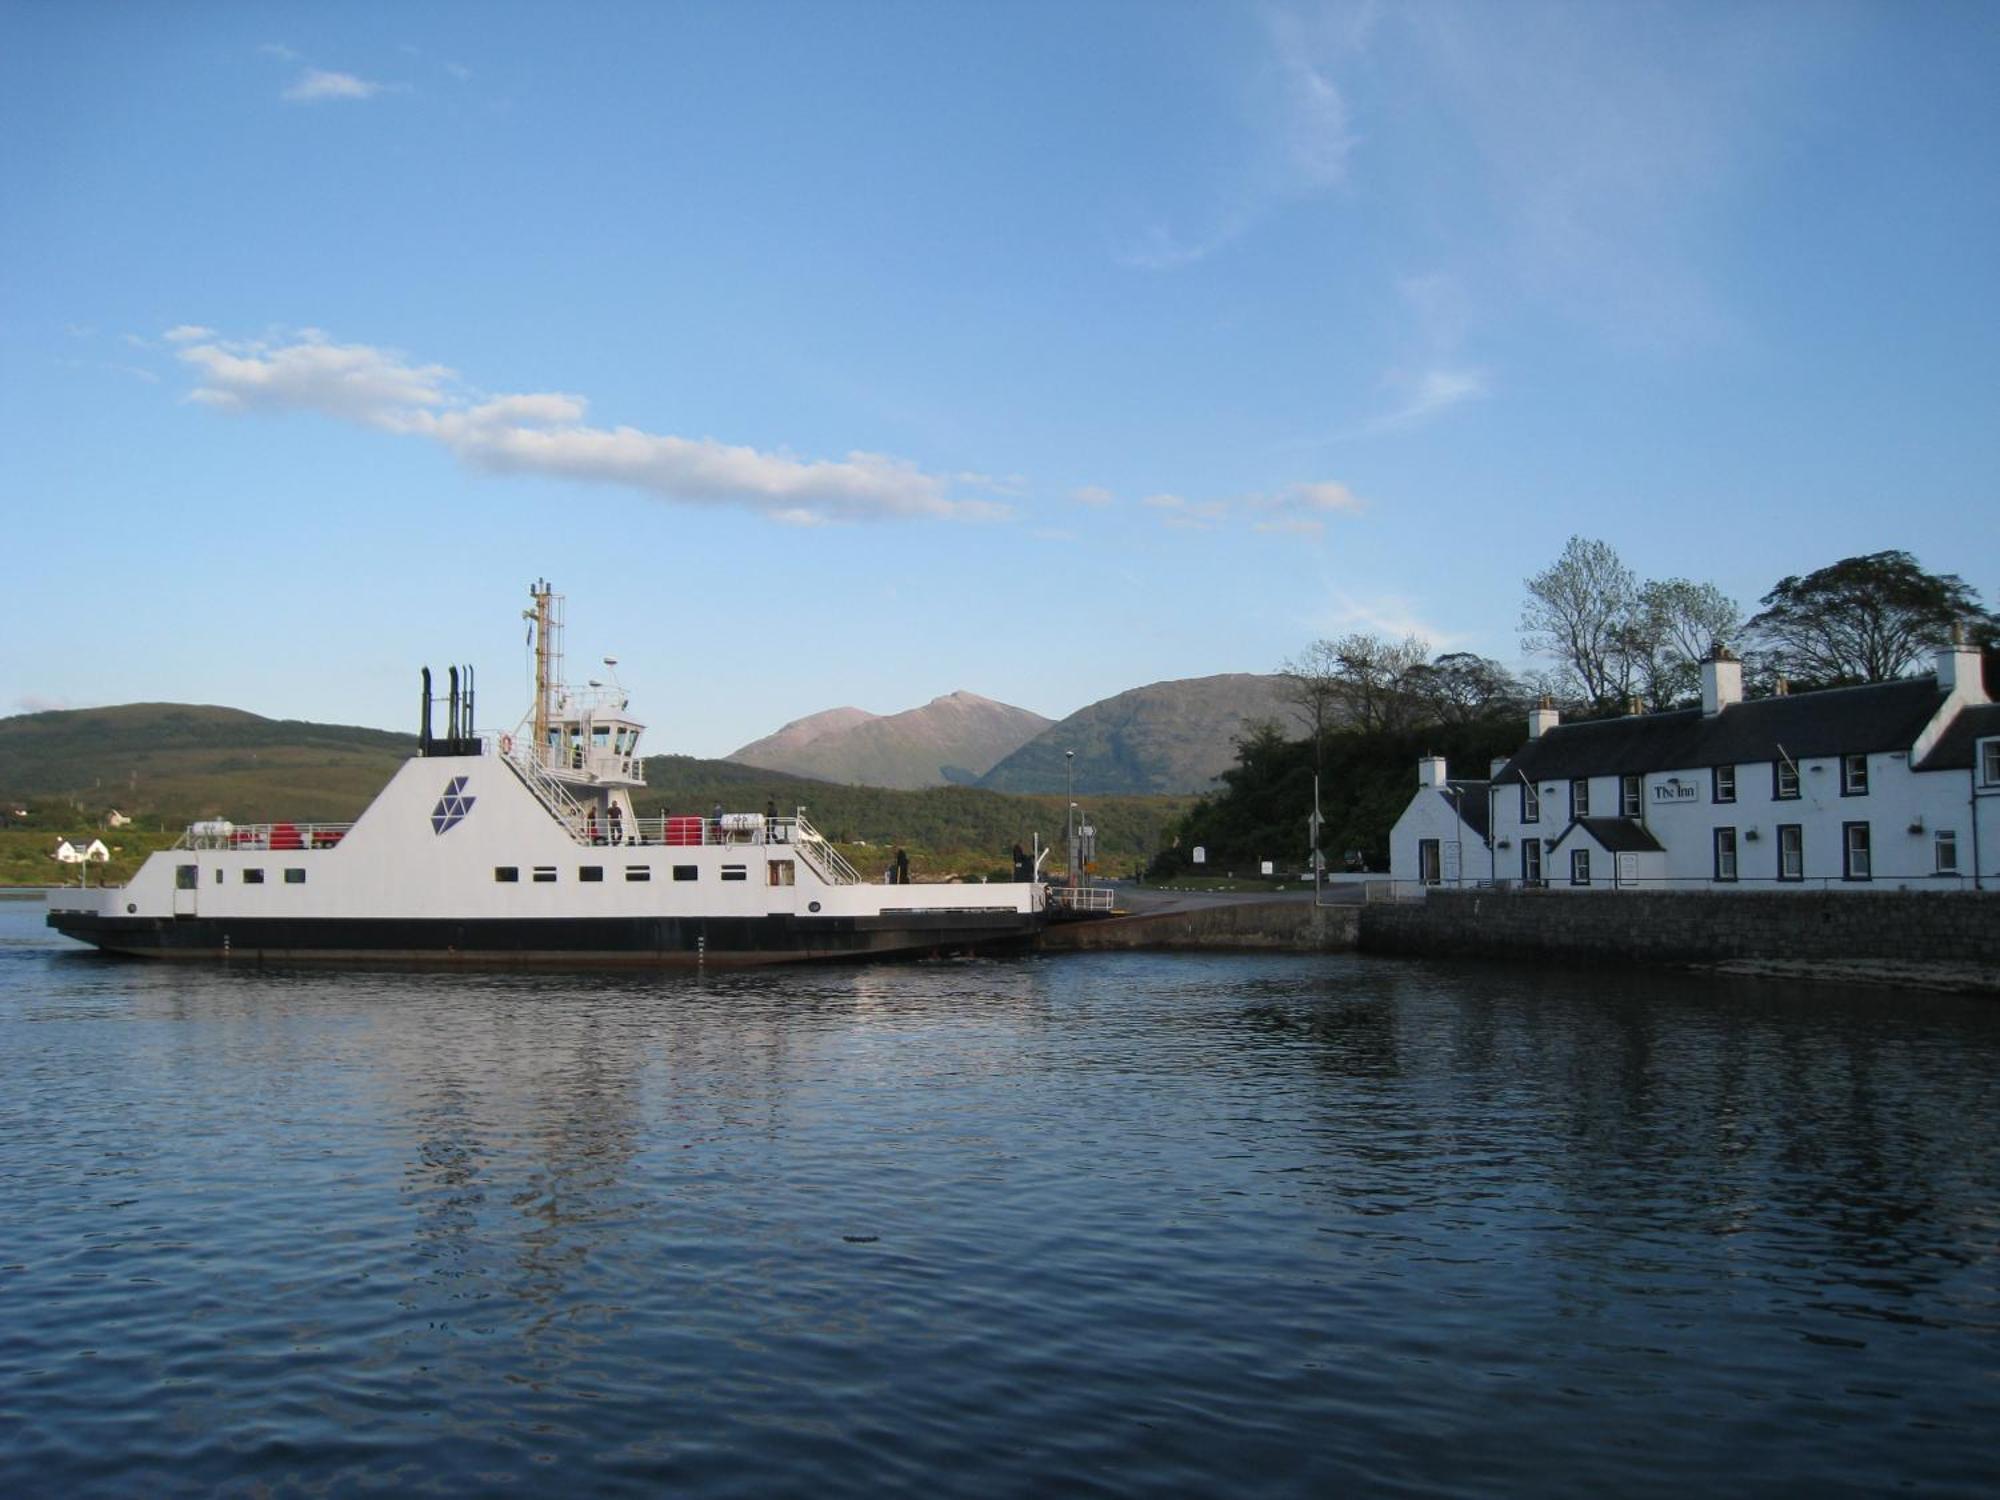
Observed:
{"x":1104,"y":1224}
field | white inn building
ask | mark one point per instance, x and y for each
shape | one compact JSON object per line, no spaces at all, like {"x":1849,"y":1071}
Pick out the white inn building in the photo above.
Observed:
{"x":1891,"y":785}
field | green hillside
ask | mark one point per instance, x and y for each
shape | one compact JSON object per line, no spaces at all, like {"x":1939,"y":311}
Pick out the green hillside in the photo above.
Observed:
{"x":167,"y":764}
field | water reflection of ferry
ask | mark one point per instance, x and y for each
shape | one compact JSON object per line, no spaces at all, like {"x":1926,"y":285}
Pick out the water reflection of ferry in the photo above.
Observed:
{"x":525,"y":848}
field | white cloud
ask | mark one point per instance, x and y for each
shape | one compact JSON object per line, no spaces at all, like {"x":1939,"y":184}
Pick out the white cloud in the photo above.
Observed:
{"x":316,"y":85}
{"x":547,"y":434}
{"x":1326,"y":495}
{"x":1092,"y":494}
{"x":187,"y":333}
{"x":1187,"y":515}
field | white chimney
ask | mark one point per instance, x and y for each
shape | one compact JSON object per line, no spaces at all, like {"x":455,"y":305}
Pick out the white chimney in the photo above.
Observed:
{"x":1430,"y":771}
{"x":1543,"y":717}
{"x":1958,"y":668}
{"x":1721,"y":681}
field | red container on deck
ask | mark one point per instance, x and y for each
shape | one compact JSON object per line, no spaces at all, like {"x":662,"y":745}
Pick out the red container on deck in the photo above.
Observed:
{"x":286,"y":836}
{"x":684,"y":832}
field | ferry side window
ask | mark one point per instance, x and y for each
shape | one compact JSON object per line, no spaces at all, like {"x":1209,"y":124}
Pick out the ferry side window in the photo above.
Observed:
{"x":186,"y":877}
{"x":253,"y":877}
{"x":507,"y":874}
{"x":735,"y":872}
{"x":295,"y":877}
{"x":218,"y":877}
{"x":545,"y":874}
{"x":687,"y":872}
{"x":638,"y":872}
{"x":590,"y":874}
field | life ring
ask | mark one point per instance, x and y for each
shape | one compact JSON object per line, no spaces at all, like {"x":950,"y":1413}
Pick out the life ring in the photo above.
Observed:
{"x":506,"y":744}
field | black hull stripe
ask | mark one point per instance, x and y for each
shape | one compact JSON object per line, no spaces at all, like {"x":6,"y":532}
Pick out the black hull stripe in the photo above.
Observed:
{"x":555,"y":943}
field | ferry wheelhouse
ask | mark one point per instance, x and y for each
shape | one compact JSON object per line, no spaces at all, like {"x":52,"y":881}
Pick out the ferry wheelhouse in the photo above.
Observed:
{"x":526,"y":848}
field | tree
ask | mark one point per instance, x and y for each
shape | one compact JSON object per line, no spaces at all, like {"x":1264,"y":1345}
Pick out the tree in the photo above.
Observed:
{"x":1864,"y":619}
{"x":1310,"y":684}
{"x":1673,"y":629}
{"x":1374,"y":677}
{"x":1580,"y":613}
{"x":1460,"y":687}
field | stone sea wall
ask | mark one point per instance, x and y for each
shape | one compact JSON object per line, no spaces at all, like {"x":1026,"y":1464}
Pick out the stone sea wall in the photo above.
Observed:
{"x":1955,"y":927}
{"x":1294,"y":926}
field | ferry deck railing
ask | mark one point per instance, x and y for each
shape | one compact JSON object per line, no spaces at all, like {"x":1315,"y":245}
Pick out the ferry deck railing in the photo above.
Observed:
{"x":1080,"y":898}
{"x":280,"y":837}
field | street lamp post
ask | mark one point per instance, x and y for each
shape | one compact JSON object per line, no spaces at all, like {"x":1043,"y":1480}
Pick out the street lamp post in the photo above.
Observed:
{"x":1069,"y":812}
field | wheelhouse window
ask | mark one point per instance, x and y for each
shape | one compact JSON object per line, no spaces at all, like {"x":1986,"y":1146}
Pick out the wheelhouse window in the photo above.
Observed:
{"x":253,"y":877}
{"x":1722,"y":784}
{"x":1791,"y":851}
{"x":1531,"y":804}
{"x":1579,"y":798}
{"x":507,"y":874}
{"x":1531,"y":861}
{"x":1853,"y":775}
{"x":1579,"y":867}
{"x":1628,"y":796}
{"x":1725,"y":854}
{"x":1945,"y":848}
{"x":1854,"y":851}
{"x":1785,"y":780}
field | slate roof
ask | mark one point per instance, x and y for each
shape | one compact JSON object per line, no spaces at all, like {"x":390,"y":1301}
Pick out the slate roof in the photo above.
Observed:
{"x":1615,"y":835}
{"x":1837,"y":721}
{"x":1471,"y":801}
{"x":1953,"y":751}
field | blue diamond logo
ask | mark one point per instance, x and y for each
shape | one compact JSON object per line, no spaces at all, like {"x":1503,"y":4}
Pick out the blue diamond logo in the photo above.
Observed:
{"x":452,"y":806}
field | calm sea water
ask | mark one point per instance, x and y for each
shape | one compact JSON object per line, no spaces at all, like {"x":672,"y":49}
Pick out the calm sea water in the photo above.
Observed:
{"x":1094,"y":1225}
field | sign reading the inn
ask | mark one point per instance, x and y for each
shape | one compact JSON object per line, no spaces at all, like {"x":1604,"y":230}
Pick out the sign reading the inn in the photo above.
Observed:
{"x":1673,"y":789}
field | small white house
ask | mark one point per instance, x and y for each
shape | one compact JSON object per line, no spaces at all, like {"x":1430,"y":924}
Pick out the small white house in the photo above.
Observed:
{"x":1441,"y":837}
{"x":1890,"y":785}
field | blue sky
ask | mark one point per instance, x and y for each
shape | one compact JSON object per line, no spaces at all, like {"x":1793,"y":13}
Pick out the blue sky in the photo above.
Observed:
{"x":853,"y":354}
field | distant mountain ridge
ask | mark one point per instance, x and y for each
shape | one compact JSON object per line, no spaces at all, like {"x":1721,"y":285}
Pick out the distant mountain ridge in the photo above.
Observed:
{"x":954,"y":738}
{"x":1166,"y":737}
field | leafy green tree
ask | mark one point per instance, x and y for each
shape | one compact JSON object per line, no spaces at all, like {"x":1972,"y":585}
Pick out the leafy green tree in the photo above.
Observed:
{"x":1579,"y":613}
{"x":1864,"y":619}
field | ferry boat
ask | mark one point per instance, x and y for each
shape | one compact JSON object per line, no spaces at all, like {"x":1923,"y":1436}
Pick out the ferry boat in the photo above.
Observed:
{"x":525,"y":848}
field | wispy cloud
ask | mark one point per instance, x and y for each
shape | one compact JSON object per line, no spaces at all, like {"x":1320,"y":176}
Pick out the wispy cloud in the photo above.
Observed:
{"x":1427,"y":394}
{"x":318,"y":85}
{"x":187,"y":333}
{"x":1297,"y":138}
{"x":547,"y":434}
{"x":1095,"y":495}
{"x":1188,"y":515}
{"x":1303,"y":509}
{"x":1383,"y":614}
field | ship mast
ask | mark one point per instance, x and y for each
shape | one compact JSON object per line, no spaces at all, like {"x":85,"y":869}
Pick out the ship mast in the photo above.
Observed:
{"x":546,"y":618}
